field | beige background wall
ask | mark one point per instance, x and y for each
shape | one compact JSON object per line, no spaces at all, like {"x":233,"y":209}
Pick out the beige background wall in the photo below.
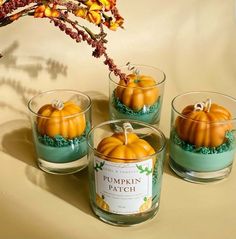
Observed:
{"x":192,"y":41}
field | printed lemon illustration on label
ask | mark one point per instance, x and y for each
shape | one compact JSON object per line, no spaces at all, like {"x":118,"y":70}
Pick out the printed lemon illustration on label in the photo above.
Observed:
{"x":101,"y":203}
{"x":146,"y":205}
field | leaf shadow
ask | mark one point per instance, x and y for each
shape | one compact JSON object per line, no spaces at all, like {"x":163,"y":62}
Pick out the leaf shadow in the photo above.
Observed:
{"x":16,"y":140}
{"x":33,"y":65}
{"x":25,"y":93}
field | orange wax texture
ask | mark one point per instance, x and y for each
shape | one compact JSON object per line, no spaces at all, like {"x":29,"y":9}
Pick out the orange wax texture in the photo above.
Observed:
{"x":140,"y":91}
{"x":118,"y":150}
{"x":68,"y":122}
{"x":204,"y":128}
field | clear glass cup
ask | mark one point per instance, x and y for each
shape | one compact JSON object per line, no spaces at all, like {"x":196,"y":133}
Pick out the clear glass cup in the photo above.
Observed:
{"x":141,"y":98}
{"x":60,"y":122}
{"x":203,"y":136}
{"x":125,"y":189}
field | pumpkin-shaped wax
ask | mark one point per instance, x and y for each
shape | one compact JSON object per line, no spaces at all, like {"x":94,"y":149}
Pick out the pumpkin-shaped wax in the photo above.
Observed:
{"x":122,"y":148}
{"x":146,"y":205}
{"x":140,"y":91}
{"x":206,"y":127}
{"x":101,"y":203}
{"x":67,"y":120}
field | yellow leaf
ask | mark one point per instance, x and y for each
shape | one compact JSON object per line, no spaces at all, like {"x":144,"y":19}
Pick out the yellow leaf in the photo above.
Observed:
{"x":55,"y":13}
{"x":48,"y":12}
{"x":81,"y":12}
{"x":95,"y":7}
{"x":94,"y":17}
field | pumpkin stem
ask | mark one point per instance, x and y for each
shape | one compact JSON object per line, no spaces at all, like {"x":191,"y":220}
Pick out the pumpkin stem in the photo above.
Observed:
{"x":127,"y":127}
{"x":57,"y":104}
{"x":205,"y":105}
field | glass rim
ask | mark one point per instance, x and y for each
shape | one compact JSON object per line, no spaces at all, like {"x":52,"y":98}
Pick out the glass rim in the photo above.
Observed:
{"x":199,"y":92}
{"x":60,"y":90}
{"x":162,"y":136}
{"x":112,"y":75}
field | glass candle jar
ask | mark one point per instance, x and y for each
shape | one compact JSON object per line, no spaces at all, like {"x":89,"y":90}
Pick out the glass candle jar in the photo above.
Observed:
{"x":203,"y":134}
{"x":125,"y":171}
{"x":139,"y":97}
{"x":60,"y":122}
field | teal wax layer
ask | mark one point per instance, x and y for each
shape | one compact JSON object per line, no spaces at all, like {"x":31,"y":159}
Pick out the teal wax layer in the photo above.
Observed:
{"x":150,"y":114}
{"x":64,"y":154}
{"x":59,"y":149}
{"x":201,"y":159}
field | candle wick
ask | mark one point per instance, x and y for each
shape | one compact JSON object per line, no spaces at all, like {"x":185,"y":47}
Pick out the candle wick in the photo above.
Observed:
{"x":58,"y":104}
{"x":127,"y":128}
{"x":208,"y":104}
{"x":136,"y":71}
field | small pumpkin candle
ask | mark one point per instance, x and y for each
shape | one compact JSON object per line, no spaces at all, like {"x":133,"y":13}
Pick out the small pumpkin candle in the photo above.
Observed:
{"x":125,"y":172}
{"x":139,"y":95}
{"x":137,"y":92}
{"x":125,"y":147}
{"x":61,"y":120}
{"x":197,"y":124}
{"x":202,"y":142}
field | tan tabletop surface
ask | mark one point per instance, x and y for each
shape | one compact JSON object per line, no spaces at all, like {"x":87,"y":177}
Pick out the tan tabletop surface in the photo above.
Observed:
{"x":192,"y":41}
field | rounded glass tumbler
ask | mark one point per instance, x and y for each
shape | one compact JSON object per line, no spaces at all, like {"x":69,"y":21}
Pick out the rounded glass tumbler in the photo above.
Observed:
{"x":60,"y":122}
{"x":139,"y":97}
{"x":203,"y":136}
{"x":125,"y":188}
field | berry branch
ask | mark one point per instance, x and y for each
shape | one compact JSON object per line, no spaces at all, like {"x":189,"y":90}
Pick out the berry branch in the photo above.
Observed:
{"x":68,"y":17}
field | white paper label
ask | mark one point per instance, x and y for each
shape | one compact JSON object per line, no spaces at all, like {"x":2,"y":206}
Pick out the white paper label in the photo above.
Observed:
{"x":123,"y":188}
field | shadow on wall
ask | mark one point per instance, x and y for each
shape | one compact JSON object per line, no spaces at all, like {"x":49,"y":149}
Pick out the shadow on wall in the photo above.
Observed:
{"x":24,"y":93}
{"x":33,"y":65}
{"x":16,"y":136}
{"x":16,"y":140}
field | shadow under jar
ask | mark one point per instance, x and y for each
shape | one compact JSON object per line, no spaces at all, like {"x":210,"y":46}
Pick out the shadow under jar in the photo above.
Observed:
{"x":60,"y":121}
{"x":125,"y":171}
{"x":139,"y":97}
{"x":203,"y":136}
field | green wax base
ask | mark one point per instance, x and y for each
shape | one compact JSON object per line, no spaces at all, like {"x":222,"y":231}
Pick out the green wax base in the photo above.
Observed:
{"x":64,"y":154}
{"x":59,"y":149}
{"x":202,"y":159}
{"x":149,"y":114}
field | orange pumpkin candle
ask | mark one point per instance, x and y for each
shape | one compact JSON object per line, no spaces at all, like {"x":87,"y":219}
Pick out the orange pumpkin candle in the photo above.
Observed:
{"x":197,"y":124}
{"x":202,"y":137}
{"x":121,"y":148}
{"x":139,"y":96}
{"x":140,"y":91}
{"x":59,"y":130}
{"x":57,"y":119}
{"x":125,"y":147}
{"x":125,"y":170}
